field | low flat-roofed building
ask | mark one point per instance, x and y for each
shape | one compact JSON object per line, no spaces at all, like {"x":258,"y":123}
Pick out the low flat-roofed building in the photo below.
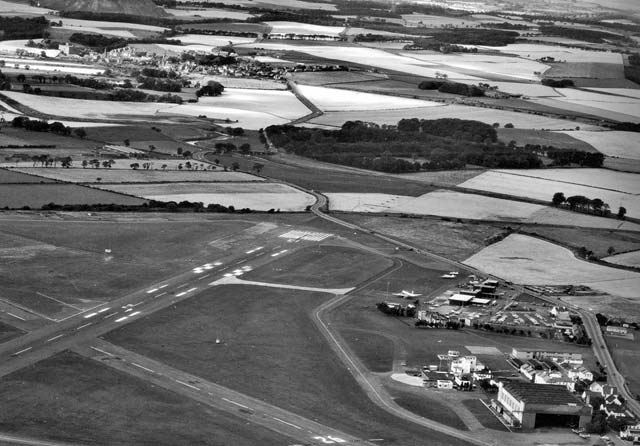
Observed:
{"x":460,"y":299}
{"x":536,"y":405}
{"x":480,"y":301}
{"x":544,"y":354}
{"x":616,"y":330}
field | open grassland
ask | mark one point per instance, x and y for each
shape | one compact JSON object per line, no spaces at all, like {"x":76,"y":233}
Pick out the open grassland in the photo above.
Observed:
{"x":627,"y":259}
{"x":457,"y":241}
{"x":375,"y":351}
{"x":523,"y":185}
{"x":567,"y":140}
{"x":596,"y":178}
{"x":322,"y":267}
{"x":7,"y":332}
{"x":20,"y":9}
{"x":612,"y":143}
{"x":70,"y":258}
{"x":585,"y":70}
{"x":528,"y":260}
{"x":10,"y":176}
{"x":319,"y":78}
{"x":273,"y":340}
{"x":244,"y":107}
{"x":37,"y":195}
{"x":442,"y":177}
{"x":332,"y":99}
{"x":486,"y":115}
{"x":259,"y":196}
{"x":123,"y":175}
{"x":484,"y":415}
{"x":69,"y":398}
{"x":626,"y":354}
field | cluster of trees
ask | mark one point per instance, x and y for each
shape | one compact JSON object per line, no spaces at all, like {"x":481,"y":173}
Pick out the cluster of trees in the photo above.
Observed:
{"x":36,"y":125}
{"x":558,"y":83}
{"x":124,"y":94}
{"x":14,"y":27}
{"x":216,"y":32}
{"x":449,"y":325}
{"x":586,"y":35}
{"x":441,"y":143}
{"x":45,"y":160}
{"x":160,"y":84}
{"x":563,"y":157}
{"x":208,"y":59}
{"x":580,"y":203}
{"x":5,"y":82}
{"x":151,"y":206}
{"x":212,"y":88}
{"x":399,"y":310}
{"x":632,"y":70}
{"x":506,"y":25}
{"x":626,"y":126}
{"x":451,"y":87}
{"x":463,"y":36}
{"x":100,"y":42}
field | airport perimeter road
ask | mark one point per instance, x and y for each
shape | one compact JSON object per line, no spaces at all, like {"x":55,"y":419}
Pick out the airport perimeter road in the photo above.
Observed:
{"x":251,"y":409}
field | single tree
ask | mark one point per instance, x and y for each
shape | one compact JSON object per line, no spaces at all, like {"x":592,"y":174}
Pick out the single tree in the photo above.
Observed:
{"x":80,"y":132}
{"x":558,"y":199}
{"x":235,"y":166}
{"x":85,"y":163}
{"x":257,"y":167}
{"x":622,"y":211}
{"x":134,"y":166}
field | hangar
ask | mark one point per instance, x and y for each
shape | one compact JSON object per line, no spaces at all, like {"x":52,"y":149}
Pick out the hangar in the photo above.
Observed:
{"x":536,"y":405}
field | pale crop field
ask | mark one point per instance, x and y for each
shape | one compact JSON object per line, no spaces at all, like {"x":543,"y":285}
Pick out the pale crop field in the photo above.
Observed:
{"x":299,"y":4}
{"x":304,"y":29}
{"x":526,"y":89}
{"x":629,"y":92}
{"x":239,"y":82}
{"x":41,"y":65}
{"x":513,"y":67}
{"x":261,"y":197}
{"x":531,"y":261}
{"x":612,"y":143}
{"x":543,"y":189}
{"x":333,"y":99}
{"x":601,"y":110}
{"x":627,"y":259}
{"x":597,"y":178}
{"x":78,"y":23}
{"x":486,"y":115}
{"x":214,"y":41}
{"x":11,"y":46}
{"x":128,"y":175}
{"x":12,"y":8}
{"x":617,"y":104}
{"x":536,"y":51}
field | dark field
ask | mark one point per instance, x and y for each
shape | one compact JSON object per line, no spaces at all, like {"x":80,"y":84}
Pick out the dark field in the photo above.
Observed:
{"x":321,"y":266}
{"x":626,"y":354}
{"x":375,"y":351}
{"x":37,"y":195}
{"x":73,"y":399}
{"x":424,"y":402}
{"x":325,"y":180}
{"x":8,"y":332}
{"x":272,"y":351}
{"x":484,"y":415}
{"x":9,"y":176}
{"x":543,"y":138}
{"x":70,"y":258}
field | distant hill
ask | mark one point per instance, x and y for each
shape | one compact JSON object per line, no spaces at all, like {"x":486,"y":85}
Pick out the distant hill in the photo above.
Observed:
{"x":138,"y":7}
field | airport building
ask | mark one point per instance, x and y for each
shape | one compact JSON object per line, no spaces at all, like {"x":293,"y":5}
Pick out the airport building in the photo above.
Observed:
{"x":531,"y":405}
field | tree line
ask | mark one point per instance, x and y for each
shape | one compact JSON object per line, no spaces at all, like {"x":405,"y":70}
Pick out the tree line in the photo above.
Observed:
{"x":580,"y":203}
{"x":14,"y":27}
{"x":451,"y":87}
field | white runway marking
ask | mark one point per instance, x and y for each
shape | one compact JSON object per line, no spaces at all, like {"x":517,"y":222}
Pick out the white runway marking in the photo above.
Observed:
{"x":121,"y":319}
{"x":152,"y":290}
{"x":90,"y":315}
{"x":163,"y":286}
{"x":286,"y":422}
{"x":186,"y":384}
{"x":102,"y":351}
{"x":305,"y":235}
{"x":161,"y":294}
{"x":17,"y":317}
{"x":135,"y":305}
{"x":251,"y":251}
{"x":22,"y":351}
{"x":204,"y":277}
{"x":237,"y":404}
{"x":109,"y":315}
{"x":182,"y":286}
{"x":54,"y":338}
{"x":82,"y":326}
{"x":104,"y":309}
{"x":134,"y":313}
{"x":142,"y":367}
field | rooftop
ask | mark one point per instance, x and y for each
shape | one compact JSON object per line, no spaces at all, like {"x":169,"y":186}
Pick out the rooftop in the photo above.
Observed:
{"x":541,"y":393}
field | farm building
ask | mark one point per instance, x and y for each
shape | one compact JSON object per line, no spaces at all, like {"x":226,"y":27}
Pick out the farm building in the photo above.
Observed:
{"x":616,"y":331}
{"x":535,"y":405}
{"x":465,"y":299}
{"x":545,"y":354}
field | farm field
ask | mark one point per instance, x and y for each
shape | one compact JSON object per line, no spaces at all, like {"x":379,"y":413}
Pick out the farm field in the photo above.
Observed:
{"x":534,"y":51}
{"x":528,"y":260}
{"x":295,"y":4}
{"x":275,"y":341}
{"x":78,"y":23}
{"x":37,"y":65}
{"x":215,"y":13}
{"x":37,"y":195}
{"x":304,"y":29}
{"x":258,"y":197}
{"x":104,"y":406}
{"x":246,"y":108}
{"x":90,"y":175}
{"x":12,"y":8}
{"x":322,"y":267}
{"x":448,"y":177}
{"x":627,"y":259}
{"x":612,"y":143}
{"x":629,"y":92}
{"x":561,"y":140}
{"x":240,"y":82}
{"x":543,"y":189}
{"x":9,"y":176}
{"x":215,"y":41}
{"x":487,"y":115}
{"x":320,"y":78}
{"x":526,"y":89}
{"x":617,"y":104}
{"x":626,"y":353}
{"x":600,"y":110}
{"x":332,"y":99}
{"x":73,"y":252}
{"x":594,"y":71}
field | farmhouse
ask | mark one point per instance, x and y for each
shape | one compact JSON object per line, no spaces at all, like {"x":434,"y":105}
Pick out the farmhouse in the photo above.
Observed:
{"x":535,"y":405}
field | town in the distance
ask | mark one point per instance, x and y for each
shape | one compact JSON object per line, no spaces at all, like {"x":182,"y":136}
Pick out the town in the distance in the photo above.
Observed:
{"x":311,"y":222}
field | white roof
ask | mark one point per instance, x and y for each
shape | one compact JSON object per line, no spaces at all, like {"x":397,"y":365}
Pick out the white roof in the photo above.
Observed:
{"x":461,"y":297}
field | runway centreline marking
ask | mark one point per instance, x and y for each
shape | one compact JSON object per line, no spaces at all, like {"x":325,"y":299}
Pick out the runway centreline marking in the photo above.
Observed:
{"x":286,"y":422}
{"x":109,"y":315}
{"x":237,"y":404}
{"x":152,"y":290}
{"x":186,"y":384}
{"x":102,"y":351}
{"x":22,"y":351}
{"x":142,"y":367}
{"x":163,"y":286}
{"x":182,"y":286}
{"x":161,"y":294}
{"x":54,"y":338}
{"x":16,"y":316}
{"x":202,"y":277}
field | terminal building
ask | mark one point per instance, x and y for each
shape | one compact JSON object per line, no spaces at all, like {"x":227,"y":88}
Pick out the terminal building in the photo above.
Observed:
{"x":531,"y":406}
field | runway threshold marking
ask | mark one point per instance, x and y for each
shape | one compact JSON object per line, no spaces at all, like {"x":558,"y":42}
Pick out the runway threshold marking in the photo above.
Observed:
{"x":237,"y":404}
{"x":22,"y":351}
{"x":142,"y":367}
{"x":54,"y":338}
{"x":186,"y":384}
{"x":16,"y":316}
{"x":102,"y":351}
{"x":286,"y":422}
